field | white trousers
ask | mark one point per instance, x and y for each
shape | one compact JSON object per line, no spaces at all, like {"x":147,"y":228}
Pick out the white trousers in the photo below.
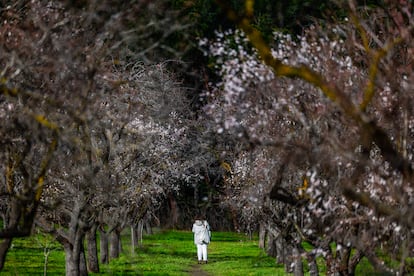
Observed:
{"x":202,"y":252}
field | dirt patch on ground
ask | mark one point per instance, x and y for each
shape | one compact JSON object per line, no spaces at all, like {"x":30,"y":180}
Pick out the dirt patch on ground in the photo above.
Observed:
{"x":196,"y":270}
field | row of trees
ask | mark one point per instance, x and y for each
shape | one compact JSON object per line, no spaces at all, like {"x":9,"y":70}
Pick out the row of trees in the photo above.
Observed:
{"x":92,"y":139}
{"x":325,"y":134}
{"x":313,"y":144}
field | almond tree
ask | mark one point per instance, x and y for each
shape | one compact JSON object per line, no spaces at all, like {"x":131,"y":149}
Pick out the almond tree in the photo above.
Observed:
{"x":71,"y":115}
{"x":334,"y":159}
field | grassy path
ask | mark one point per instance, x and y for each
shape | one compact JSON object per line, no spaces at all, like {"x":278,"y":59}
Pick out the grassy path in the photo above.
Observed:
{"x":165,"y":253}
{"x":234,"y":254}
{"x":173,"y":253}
{"x":197,"y":270}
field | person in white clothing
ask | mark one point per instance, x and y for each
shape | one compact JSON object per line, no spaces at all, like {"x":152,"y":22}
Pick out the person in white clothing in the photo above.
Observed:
{"x":202,"y":236}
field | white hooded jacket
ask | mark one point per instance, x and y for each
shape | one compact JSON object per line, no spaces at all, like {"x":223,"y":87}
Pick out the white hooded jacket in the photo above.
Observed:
{"x":198,"y":230}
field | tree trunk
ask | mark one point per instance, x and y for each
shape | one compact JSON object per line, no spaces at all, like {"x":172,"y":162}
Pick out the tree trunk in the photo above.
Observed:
{"x":271,"y":247}
{"x":11,"y":223}
{"x":313,"y":267}
{"x":4,"y":248}
{"x":71,"y":261}
{"x":174,"y":212}
{"x":93,"y":264}
{"x":83,"y":270}
{"x":356,"y":258}
{"x":148,"y":228}
{"x":75,"y":264}
{"x":115,"y":244}
{"x":140,"y":231}
{"x":345,"y":255}
{"x":103,"y":240}
{"x":279,"y":248}
{"x":134,"y":242}
{"x":120,"y":249}
{"x":288,"y":257}
{"x":136,"y":235}
{"x":262,"y":236}
{"x":297,"y":261}
{"x":330,"y":264}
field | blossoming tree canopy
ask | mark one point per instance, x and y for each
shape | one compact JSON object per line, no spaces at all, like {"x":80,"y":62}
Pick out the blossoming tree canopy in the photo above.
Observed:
{"x":315,"y":109}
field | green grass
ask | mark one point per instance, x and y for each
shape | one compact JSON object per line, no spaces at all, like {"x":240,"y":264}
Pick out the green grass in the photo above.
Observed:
{"x":164,"y":253}
{"x":234,"y":254}
{"x":173,"y":253}
{"x":26,"y":257}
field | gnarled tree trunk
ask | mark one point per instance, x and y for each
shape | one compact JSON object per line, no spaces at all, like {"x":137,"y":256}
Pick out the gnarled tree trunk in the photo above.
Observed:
{"x":297,"y":262}
{"x":83,"y":270}
{"x":115,"y":244}
{"x":4,"y":248}
{"x":11,"y":223}
{"x":73,"y":256}
{"x":262,"y":236}
{"x":104,"y":247}
{"x":93,"y":264}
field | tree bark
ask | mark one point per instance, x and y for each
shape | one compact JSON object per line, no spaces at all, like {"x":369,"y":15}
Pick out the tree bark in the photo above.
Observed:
{"x":74,"y":254}
{"x":103,"y":240}
{"x":271,"y":247}
{"x":344,"y":255}
{"x":83,"y":270}
{"x":173,"y":211}
{"x":75,"y":263}
{"x":71,"y":261}
{"x":73,"y":242}
{"x":280,"y":249}
{"x":93,"y":264}
{"x":356,"y":258}
{"x":12,"y":222}
{"x":4,"y":248}
{"x":262,"y":236}
{"x":148,"y":228}
{"x":134,"y":242}
{"x":115,"y":244}
{"x":288,"y":258}
{"x":313,"y":267}
{"x":136,"y":235}
{"x":330,"y":264}
{"x":140,"y":231}
{"x":297,"y":261}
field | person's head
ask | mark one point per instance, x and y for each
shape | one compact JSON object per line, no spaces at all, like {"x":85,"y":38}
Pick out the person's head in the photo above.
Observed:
{"x":199,"y":217}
